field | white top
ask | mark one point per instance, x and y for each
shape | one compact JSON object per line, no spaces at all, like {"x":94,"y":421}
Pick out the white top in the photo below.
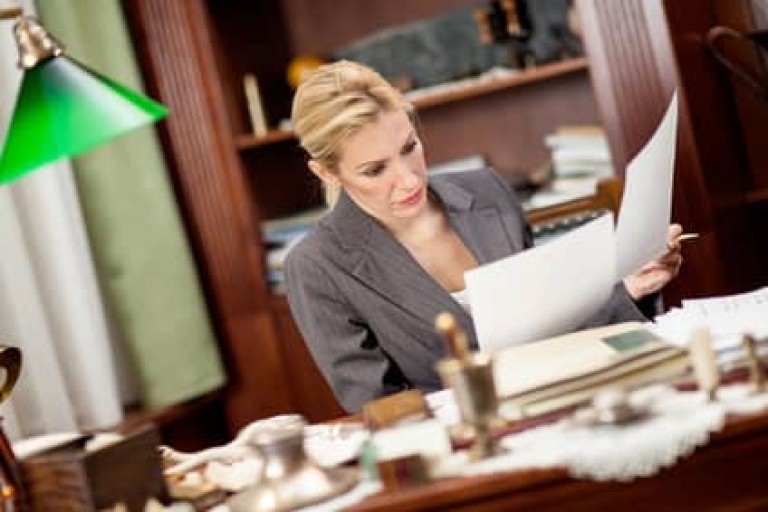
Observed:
{"x":462,"y":297}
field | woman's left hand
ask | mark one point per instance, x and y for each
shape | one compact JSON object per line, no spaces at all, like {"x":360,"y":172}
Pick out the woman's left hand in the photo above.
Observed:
{"x":653,"y":276}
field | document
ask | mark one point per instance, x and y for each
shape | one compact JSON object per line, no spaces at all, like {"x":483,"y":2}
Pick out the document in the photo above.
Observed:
{"x":546,"y":290}
{"x":641,"y":231}
{"x":728,"y":319}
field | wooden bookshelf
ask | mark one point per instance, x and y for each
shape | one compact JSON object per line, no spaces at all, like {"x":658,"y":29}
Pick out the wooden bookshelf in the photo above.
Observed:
{"x":272,"y":137}
{"x":195,"y":54}
{"x":483,"y":86}
{"x":461,"y":91}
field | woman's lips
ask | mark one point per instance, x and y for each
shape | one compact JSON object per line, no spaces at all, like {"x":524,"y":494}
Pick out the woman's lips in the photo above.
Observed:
{"x":412,"y":199}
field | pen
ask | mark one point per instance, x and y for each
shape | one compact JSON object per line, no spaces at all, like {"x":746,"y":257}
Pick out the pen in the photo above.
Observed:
{"x":687,"y":236}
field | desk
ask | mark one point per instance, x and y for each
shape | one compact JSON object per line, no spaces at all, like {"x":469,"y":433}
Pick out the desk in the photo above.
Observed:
{"x":729,"y":473}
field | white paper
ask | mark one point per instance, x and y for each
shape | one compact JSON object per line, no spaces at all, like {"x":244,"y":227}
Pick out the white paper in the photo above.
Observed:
{"x":728,"y":319}
{"x":546,"y":290}
{"x":641,"y":230}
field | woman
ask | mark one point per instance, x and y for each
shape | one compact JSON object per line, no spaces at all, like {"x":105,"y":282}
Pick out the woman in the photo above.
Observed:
{"x":366,"y":285}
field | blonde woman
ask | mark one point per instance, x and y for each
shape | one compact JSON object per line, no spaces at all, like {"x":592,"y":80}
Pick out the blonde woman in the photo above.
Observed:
{"x":366,"y":284}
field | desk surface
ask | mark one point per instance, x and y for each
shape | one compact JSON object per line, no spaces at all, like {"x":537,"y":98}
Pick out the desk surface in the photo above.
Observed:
{"x":729,"y":473}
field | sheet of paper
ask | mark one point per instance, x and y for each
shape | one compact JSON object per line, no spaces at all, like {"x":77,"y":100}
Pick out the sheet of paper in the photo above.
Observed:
{"x":544,"y":291}
{"x":727,"y":317}
{"x":641,"y":230}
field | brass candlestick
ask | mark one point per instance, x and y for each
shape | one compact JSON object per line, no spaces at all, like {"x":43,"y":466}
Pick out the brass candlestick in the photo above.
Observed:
{"x":470,"y":376}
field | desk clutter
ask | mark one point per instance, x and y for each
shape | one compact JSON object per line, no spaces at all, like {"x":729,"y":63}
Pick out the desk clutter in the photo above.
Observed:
{"x":617,"y":404}
{"x":626,"y":405}
{"x":84,"y":472}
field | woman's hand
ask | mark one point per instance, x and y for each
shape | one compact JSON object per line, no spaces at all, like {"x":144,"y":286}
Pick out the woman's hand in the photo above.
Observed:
{"x":656,"y":274}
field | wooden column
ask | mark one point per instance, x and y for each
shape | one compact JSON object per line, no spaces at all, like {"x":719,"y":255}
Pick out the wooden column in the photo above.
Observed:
{"x":640,"y":51}
{"x":180,"y":67}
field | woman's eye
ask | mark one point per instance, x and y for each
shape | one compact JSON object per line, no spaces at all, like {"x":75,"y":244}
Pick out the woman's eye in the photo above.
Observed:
{"x":373,"y":171}
{"x":410,"y":147}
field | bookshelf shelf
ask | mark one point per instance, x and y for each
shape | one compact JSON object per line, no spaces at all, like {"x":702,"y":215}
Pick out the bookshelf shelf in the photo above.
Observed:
{"x":480,"y":87}
{"x":272,"y":137}
{"x":450,"y":93}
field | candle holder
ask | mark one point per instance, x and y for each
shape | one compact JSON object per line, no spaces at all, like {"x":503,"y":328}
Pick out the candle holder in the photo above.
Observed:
{"x":289,"y":478}
{"x":471,"y":379}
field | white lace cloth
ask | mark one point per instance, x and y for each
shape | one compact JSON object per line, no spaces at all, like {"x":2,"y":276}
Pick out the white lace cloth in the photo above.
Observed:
{"x":678,"y":423}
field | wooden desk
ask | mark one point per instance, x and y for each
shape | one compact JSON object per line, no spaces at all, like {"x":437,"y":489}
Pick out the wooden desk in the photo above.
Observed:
{"x":729,"y":473}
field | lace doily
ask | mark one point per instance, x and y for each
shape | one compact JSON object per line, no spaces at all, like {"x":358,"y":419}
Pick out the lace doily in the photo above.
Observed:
{"x":678,"y":423}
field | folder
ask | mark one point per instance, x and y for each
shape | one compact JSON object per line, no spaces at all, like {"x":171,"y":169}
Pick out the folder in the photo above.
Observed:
{"x":544,"y":376}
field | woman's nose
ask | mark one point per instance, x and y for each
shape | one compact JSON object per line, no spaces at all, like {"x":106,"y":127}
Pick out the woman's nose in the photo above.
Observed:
{"x":407,"y":177}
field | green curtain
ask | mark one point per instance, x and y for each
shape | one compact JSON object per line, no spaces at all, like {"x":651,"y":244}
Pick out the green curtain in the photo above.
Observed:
{"x":142,"y":256}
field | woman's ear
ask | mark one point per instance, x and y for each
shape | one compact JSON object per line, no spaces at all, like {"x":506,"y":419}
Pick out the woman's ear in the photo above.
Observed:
{"x":323,"y":173}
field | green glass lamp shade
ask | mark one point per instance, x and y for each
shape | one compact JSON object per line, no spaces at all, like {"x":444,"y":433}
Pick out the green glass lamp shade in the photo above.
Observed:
{"x":65,"y":109}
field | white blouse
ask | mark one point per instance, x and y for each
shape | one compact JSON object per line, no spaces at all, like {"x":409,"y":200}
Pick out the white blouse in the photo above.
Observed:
{"x":462,"y":297}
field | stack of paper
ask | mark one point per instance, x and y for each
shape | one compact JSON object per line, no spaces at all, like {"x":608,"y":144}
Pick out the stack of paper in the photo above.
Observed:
{"x":579,"y":150}
{"x":544,"y":376}
{"x":728,"y":319}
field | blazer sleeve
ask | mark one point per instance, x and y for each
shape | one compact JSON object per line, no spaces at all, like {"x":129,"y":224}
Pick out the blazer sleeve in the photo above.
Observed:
{"x":343,"y":347}
{"x":619,"y":308}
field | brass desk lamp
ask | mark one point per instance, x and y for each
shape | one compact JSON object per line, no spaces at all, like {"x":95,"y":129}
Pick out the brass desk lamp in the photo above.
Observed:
{"x":63,"y":109}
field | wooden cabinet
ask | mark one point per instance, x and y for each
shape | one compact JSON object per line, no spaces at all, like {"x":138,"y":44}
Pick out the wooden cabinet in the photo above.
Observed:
{"x":195,"y":53}
{"x":640,"y":51}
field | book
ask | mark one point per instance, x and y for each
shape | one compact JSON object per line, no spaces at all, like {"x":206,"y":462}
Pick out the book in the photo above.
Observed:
{"x":579,"y":150}
{"x":284,"y":229}
{"x":544,"y":376}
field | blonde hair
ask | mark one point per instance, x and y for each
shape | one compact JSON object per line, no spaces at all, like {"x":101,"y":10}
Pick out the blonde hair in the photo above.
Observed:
{"x":335,"y":101}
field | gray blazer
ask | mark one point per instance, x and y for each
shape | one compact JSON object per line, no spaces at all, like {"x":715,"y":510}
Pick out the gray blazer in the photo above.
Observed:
{"x":366,"y":308}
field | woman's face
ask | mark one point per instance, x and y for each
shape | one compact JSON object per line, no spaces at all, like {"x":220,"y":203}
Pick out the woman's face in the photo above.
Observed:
{"x":382,"y":169}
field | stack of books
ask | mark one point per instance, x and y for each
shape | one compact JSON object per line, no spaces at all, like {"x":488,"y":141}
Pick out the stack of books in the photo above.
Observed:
{"x":281,"y":235}
{"x":579,"y":151}
{"x":545,"y":376}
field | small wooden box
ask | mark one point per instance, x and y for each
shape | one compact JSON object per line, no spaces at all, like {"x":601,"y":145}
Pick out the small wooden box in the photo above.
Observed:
{"x":71,"y":479}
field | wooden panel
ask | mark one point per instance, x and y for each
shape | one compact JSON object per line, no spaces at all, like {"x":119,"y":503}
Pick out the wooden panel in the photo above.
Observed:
{"x":639,"y":52}
{"x":181,"y":70}
{"x":752,"y":107}
{"x":319,"y":26}
{"x":631,"y":96}
{"x":718,"y":145}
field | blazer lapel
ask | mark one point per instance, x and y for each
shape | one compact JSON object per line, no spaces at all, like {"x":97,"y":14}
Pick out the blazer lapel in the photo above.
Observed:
{"x":386,"y":267}
{"x":482,"y":228}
